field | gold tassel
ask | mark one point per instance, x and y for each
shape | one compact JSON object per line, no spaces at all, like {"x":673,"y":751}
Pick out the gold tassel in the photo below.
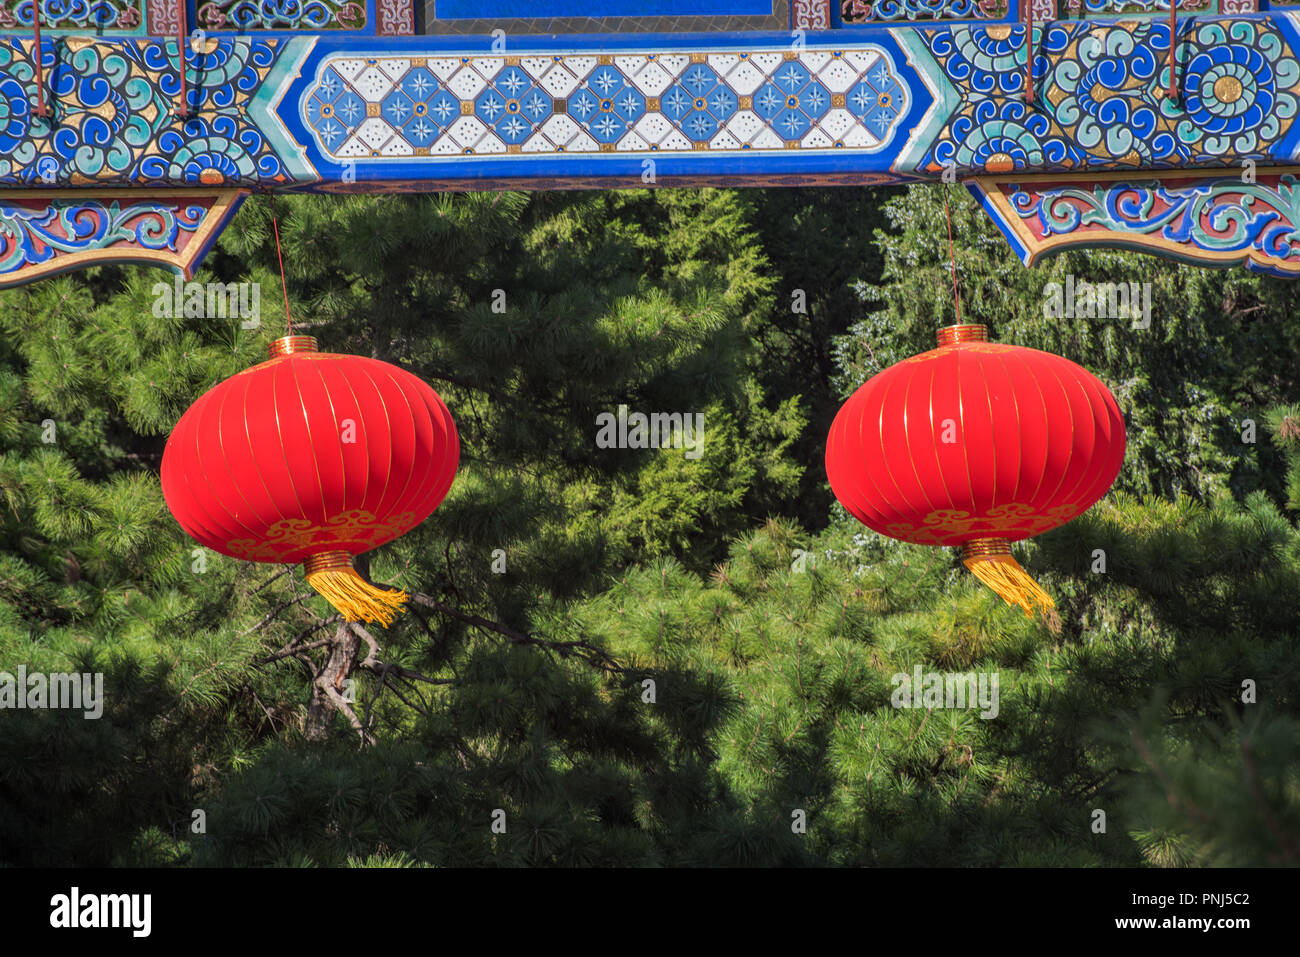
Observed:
{"x":990,"y":560}
{"x":332,"y":574}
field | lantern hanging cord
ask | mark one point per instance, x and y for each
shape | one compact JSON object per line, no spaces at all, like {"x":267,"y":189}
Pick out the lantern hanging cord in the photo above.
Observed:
{"x":1173,"y":33}
{"x":1029,"y":58}
{"x":952,"y":255}
{"x":40,"y":70}
{"x":181,"y":16}
{"x":279,"y":257}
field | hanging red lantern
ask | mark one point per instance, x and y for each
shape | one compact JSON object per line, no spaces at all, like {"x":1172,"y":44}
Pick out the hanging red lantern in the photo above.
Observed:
{"x":976,"y":444}
{"x":312,"y":457}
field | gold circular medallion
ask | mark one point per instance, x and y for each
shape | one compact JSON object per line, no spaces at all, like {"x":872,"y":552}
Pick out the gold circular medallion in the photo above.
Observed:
{"x":1000,"y":163}
{"x":1227,"y":89}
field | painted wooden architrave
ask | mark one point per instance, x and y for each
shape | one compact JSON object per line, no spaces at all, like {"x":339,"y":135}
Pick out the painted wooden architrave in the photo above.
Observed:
{"x":1193,"y":216}
{"x":278,"y":111}
{"x":897,"y":102}
{"x":573,"y":17}
{"x":49,"y":231}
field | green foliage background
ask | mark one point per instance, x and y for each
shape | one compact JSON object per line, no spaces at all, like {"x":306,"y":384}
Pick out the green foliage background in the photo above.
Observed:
{"x":769,"y":623}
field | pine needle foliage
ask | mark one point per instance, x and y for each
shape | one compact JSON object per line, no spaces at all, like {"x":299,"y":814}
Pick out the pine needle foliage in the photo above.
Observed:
{"x":626,"y":656}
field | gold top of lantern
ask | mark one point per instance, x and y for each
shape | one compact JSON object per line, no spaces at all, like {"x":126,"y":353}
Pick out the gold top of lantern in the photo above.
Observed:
{"x":289,"y":344}
{"x":326,"y":561}
{"x":983,"y":547}
{"x":965,"y":332}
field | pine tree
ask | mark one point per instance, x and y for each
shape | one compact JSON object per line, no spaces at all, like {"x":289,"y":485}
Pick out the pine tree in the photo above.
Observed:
{"x":530,"y":316}
{"x":629,"y":656}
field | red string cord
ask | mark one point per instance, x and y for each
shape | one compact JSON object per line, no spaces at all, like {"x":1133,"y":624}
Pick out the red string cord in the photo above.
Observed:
{"x":1029,"y":63}
{"x":1173,"y":32}
{"x":952,"y":255}
{"x":40,"y":70}
{"x":180,"y":53}
{"x":280,"y":259}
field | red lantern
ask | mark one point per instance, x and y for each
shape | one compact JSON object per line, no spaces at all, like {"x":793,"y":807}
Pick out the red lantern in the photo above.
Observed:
{"x":976,"y":444}
{"x":312,"y":457}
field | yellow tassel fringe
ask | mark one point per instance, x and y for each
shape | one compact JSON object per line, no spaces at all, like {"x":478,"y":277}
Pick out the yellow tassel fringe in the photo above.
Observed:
{"x":354,"y":597}
{"x":1003,"y":574}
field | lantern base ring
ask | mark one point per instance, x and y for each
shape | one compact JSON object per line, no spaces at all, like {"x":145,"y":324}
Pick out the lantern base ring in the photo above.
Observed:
{"x":990,"y":560}
{"x":332,"y":574}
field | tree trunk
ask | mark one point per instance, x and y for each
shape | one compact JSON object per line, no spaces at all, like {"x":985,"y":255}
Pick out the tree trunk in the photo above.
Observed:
{"x":332,"y":678}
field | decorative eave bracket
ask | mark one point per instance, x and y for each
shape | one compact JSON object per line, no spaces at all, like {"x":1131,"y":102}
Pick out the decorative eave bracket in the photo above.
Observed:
{"x":1195,"y":216}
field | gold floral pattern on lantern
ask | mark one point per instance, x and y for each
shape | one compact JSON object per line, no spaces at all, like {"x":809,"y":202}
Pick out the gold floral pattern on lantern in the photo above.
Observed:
{"x":293,"y":534}
{"x":1014,"y":520}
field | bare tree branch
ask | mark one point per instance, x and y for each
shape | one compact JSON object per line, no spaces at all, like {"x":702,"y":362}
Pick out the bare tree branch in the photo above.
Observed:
{"x":328,"y":690}
{"x":276,"y":577}
{"x":292,"y":649}
{"x":274,"y":613}
{"x":379,"y":693}
{"x":581,"y":648}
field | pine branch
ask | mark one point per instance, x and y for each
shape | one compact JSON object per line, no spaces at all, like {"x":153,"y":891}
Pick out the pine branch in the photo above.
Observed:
{"x":276,"y":577}
{"x":442,"y":376}
{"x":1174,"y":799}
{"x":1287,"y":842}
{"x":275,"y":612}
{"x":291,"y":649}
{"x":580,"y":648}
{"x":372,"y":662}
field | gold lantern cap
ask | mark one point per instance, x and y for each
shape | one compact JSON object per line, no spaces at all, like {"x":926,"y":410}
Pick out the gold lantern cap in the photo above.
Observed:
{"x":964,"y":332}
{"x":287,"y":345}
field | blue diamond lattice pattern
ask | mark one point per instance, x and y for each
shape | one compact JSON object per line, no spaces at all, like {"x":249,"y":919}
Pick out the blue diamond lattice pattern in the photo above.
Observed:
{"x":390,"y":107}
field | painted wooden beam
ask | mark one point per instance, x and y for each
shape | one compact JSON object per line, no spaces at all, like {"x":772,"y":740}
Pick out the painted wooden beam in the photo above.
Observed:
{"x":382,"y":96}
